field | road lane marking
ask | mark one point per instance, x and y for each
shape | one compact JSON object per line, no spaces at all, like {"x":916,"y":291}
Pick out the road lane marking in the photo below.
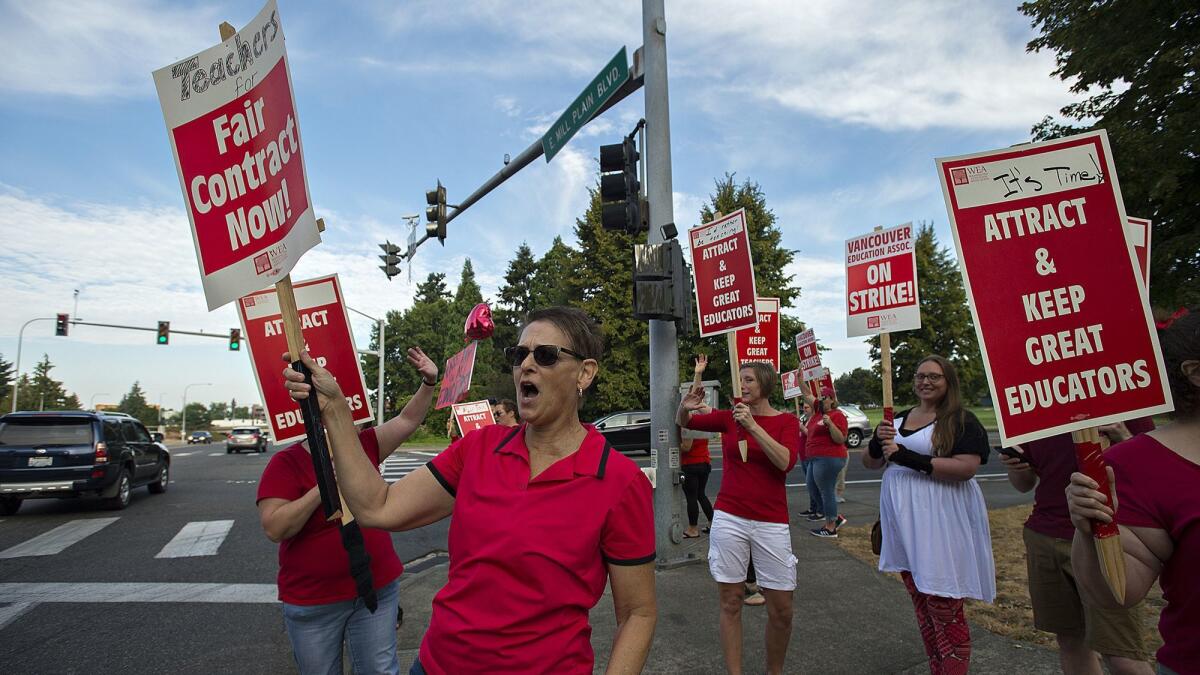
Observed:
{"x":138,"y":592}
{"x":12,"y":612}
{"x":874,"y":481}
{"x":217,"y":454}
{"x":197,"y":538}
{"x":422,"y":452}
{"x":182,"y":454}
{"x":59,"y":538}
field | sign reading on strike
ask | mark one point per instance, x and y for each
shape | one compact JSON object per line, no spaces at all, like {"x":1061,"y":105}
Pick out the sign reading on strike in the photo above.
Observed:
{"x":327,"y":338}
{"x":1067,"y":338}
{"x":1138,"y":232}
{"x":810,"y":358}
{"x":724,"y":274}
{"x":761,"y":343}
{"x":472,"y":416}
{"x":457,"y":379}
{"x":231,"y":119}
{"x":791,"y":383}
{"x":881,"y":282}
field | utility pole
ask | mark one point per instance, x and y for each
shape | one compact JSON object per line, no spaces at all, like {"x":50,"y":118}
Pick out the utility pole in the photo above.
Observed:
{"x":664,"y":349}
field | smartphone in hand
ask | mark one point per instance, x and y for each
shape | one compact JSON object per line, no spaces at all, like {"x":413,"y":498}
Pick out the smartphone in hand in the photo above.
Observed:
{"x":1015,"y":454}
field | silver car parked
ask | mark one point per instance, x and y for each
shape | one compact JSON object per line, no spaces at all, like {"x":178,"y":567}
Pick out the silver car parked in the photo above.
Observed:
{"x":859,"y":426}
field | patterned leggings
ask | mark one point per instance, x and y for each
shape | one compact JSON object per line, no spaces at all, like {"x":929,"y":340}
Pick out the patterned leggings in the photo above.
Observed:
{"x":943,"y":629}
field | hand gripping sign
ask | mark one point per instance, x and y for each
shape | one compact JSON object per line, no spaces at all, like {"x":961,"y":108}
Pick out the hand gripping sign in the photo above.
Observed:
{"x":329,"y":340}
{"x":472,"y":416}
{"x":1066,"y":335}
{"x":231,"y":119}
{"x":761,"y":343}
{"x":723,"y":271}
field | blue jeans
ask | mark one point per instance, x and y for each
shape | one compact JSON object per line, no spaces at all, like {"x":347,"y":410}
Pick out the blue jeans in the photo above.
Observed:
{"x":417,"y":668}
{"x":814,"y":495}
{"x":822,"y":481}
{"x":317,"y":633}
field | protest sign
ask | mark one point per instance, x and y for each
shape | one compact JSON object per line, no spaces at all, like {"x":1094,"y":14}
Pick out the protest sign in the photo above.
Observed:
{"x":231,"y":119}
{"x":457,"y":379}
{"x":810,"y":359}
{"x":1065,"y":332}
{"x":1138,"y":232}
{"x":761,"y":343}
{"x":791,"y":383}
{"x":327,"y":337}
{"x":472,"y":416}
{"x":825,"y":381}
{"x":881,"y":282}
{"x":723,"y":272}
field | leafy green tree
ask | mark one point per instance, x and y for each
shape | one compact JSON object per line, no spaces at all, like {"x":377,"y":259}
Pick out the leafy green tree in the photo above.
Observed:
{"x":859,"y":386}
{"x":134,"y":403}
{"x":946,"y":325}
{"x":1136,"y":63}
{"x":218,"y":410}
{"x":198,"y":416}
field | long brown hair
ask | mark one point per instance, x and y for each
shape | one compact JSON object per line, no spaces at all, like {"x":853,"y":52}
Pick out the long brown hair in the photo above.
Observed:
{"x":950,"y":416}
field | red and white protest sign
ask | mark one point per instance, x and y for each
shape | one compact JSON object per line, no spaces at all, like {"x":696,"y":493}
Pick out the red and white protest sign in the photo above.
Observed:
{"x":825,"y":382}
{"x":792,"y":384}
{"x":327,"y":338}
{"x":1067,"y":338}
{"x":457,"y":380}
{"x":723,"y":271}
{"x":1137,"y":230}
{"x":231,"y":119}
{"x":881,"y":282}
{"x":761,"y":343}
{"x":472,"y":416}
{"x":810,"y":359}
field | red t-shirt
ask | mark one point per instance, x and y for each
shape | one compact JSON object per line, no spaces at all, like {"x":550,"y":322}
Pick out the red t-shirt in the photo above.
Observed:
{"x":819,"y":442}
{"x":754,"y":489}
{"x":1158,"y":488}
{"x":1053,"y":459}
{"x":803,"y":453}
{"x":528,"y":557}
{"x":698,"y":454}
{"x":314,"y":569}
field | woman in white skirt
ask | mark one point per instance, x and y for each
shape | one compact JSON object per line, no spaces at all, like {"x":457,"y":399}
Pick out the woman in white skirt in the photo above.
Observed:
{"x":933,"y":518}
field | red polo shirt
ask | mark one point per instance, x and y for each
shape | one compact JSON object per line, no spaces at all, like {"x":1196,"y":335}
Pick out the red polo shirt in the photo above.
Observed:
{"x":754,"y":489}
{"x":528,"y":557}
{"x":313,"y":566}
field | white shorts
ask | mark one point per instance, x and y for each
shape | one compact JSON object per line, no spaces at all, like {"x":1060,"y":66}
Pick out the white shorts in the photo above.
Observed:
{"x":731,"y":542}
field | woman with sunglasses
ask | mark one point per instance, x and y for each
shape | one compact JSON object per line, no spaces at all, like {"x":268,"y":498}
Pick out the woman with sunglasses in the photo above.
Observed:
{"x":751,"y":513}
{"x":545,"y":514}
{"x":932,"y":513}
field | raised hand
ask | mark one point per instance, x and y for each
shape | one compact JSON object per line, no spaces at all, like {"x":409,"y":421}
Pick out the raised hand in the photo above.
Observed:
{"x":424,"y":365}
{"x":694,"y":399}
{"x":701,"y":362}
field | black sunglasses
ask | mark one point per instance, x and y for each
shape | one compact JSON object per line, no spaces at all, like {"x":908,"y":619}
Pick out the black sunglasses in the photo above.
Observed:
{"x":544,"y":355}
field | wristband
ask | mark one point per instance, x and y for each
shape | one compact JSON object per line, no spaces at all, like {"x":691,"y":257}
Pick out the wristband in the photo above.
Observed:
{"x":427,"y":383}
{"x":913,"y":460}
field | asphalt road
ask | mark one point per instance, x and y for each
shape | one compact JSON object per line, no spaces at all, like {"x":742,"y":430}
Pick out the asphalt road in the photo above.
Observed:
{"x":83,"y":589}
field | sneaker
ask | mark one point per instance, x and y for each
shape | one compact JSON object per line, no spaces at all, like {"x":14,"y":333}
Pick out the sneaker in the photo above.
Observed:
{"x":823,"y":533}
{"x":841,"y":500}
{"x":815,"y":517}
{"x":807,"y":512}
{"x":755,"y":600}
{"x":837,"y":524}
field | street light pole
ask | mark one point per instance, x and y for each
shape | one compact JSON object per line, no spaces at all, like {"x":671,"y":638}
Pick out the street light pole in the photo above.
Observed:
{"x":183,"y":424}
{"x":17,"y":366}
{"x":664,"y":350}
{"x":92,"y":403}
{"x":379,"y":392}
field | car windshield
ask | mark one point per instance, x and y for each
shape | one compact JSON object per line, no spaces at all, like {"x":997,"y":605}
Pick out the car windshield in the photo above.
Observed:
{"x":46,"y":432}
{"x":851,"y":409}
{"x":241,"y":432}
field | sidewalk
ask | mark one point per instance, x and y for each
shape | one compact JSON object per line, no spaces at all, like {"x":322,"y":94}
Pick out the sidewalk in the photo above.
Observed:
{"x":848,"y":619}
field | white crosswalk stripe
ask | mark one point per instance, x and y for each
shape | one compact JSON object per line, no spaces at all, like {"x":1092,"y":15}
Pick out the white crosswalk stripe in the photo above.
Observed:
{"x":182,"y":454}
{"x":217,"y":454}
{"x":398,"y":466}
{"x":197,"y":538}
{"x":58,"y":539}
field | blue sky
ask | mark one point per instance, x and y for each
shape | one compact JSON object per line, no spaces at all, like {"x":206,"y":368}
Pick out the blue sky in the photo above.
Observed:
{"x":837,"y":109}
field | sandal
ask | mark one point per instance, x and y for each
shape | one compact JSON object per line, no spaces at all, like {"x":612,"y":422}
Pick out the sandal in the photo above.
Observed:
{"x":690,"y":536}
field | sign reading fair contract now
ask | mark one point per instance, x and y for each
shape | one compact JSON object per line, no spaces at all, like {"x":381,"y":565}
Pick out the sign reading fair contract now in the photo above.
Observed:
{"x":231,"y":119}
{"x":881,"y":282}
{"x":1065,"y":331}
{"x":327,"y":338}
{"x":724,"y":274}
{"x":761,"y":343}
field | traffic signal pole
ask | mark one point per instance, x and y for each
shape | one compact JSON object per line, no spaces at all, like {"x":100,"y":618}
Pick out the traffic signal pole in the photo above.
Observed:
{"x":664,"y":348}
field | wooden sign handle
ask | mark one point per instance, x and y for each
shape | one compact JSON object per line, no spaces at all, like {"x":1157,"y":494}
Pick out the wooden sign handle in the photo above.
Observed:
{"x":1089,"y":455}
{"x":736,"y":377}
{"x":885,"y":367}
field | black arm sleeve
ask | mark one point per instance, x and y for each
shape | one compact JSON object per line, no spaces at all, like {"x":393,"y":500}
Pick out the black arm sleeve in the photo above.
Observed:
{"x":875,"y":448}
{"x":973,"y":439}
{"x":913,"y":460}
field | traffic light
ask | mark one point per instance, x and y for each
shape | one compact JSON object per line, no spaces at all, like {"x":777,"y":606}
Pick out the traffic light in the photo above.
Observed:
{"x":435,"y":213}
{"x":619,"y":187}
{"x":60,"y":325}
{"x":164,"y":332}
{"x":662,"y":285}
{"x":391,"y":259}
{"x":235,"y":339}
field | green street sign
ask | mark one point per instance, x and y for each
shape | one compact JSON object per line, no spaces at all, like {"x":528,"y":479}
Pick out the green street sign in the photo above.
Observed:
{"x":578,"y":113}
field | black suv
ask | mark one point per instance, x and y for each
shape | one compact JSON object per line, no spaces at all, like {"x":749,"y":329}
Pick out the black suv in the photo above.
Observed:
{"x":76,"y":454}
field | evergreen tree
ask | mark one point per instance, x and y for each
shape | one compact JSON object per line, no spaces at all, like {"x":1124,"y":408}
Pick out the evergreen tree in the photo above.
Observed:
{"x":516,"y":295}
{"x":7,"y":375}
{"x":946,"y":325}
{"x":134,"y":403}
{"x":556,"y":280}
{"x":1144,"y":94}
{"x":42,"y":392}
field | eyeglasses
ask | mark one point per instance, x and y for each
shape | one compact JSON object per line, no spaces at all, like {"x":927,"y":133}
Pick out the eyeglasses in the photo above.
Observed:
{"x":932,"y":378}
{"x":544,"y":355}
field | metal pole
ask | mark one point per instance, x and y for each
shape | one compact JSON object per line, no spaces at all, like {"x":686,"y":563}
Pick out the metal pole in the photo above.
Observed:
{"x":379,"y":394}
{"x":17,"y":366}
{"x":664,"y":350}
{"x":93,"y":400}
